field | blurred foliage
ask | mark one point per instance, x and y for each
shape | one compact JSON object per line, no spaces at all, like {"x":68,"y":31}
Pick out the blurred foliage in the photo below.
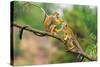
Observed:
{"x":63,"y":57}
{"x":16,"y":47}
{"x":82,"y":19}
{"x":92,"y":51}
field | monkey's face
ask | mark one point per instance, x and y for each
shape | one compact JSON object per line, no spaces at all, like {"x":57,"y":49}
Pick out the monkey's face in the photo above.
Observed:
{"x":56,"y":13}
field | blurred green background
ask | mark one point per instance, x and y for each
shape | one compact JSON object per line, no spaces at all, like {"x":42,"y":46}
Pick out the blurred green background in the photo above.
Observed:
{"x":43,"y":50}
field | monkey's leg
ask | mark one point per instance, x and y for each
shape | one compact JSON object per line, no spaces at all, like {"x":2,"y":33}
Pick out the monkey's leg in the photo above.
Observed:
{"x":71,"y":45}
{"x":52,"y":28}
{"x":65,"y":37}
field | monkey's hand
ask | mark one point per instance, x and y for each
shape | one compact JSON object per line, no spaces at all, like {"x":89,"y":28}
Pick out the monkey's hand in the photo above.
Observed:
{"x":59,"y":20}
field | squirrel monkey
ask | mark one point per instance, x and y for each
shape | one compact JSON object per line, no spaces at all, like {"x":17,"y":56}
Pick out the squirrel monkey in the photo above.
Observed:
{"x":51,"y":23}
{"x":73,"y":44}
{"x":68,"y":35}
{"x":70,"y":38}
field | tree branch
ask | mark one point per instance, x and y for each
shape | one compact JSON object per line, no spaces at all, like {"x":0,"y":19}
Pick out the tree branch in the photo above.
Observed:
{"x":43,"y":33}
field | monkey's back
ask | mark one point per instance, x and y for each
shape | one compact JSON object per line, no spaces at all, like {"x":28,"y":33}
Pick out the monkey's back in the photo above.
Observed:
{"x":47,"y":22}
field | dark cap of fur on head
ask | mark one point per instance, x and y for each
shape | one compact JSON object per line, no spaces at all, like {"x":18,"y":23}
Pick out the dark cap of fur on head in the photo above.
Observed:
{"x":56,"y":13}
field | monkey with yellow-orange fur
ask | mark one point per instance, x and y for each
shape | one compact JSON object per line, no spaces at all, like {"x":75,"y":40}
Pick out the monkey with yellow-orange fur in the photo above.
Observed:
{"x":70,"y":38}
{"x":68,"y":35}
{"x":51,"y":22}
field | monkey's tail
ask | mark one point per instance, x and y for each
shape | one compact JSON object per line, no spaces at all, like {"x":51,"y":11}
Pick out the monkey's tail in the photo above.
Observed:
{"x":45,"y":14}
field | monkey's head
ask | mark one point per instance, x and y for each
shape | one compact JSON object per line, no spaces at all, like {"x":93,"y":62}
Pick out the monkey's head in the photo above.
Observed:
{"x":64,"y":25}
{"x":56,"y":13}
{"x":58,"y":19}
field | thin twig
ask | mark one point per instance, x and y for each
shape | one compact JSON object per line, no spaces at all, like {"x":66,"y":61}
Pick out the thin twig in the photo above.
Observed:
{"x":35,"y":31}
